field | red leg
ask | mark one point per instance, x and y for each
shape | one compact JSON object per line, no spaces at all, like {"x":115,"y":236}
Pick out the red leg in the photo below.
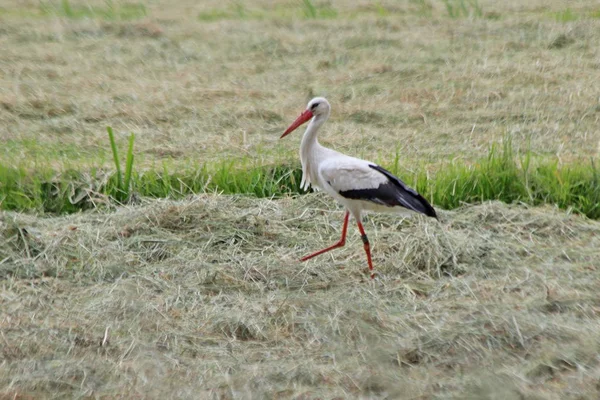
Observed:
{"x":365,"y":240}
{"x":341,"y":243}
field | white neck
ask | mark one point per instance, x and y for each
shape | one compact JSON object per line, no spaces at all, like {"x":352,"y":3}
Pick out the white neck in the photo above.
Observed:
{"x":310,"y":135}
{"x":310,"y":151}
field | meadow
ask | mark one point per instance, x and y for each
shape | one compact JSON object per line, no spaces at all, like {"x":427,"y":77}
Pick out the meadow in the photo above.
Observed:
{"x":160,"y":260}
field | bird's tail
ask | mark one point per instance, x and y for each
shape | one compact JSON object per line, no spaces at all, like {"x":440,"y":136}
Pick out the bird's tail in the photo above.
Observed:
{"x":406,"y":196}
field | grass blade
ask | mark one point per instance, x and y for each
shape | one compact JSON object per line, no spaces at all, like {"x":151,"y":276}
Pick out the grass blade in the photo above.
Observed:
{"x":128,"y":166}
{"x":113,"y":146}
{"x":310,"y":11}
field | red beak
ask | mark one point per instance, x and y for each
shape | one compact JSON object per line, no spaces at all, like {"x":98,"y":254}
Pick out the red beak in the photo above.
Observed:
{"x":305,"y":116}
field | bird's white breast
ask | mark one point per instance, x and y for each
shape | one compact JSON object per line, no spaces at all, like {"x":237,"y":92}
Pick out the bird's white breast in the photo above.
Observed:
{"x":311,"y":158}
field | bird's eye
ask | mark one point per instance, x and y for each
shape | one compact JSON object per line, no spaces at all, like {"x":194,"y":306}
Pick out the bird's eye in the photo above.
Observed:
{"x":314,"y":106}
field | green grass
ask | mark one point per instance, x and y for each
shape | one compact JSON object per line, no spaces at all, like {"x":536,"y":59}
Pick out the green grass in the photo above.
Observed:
{"x":123,"y":184}
{"x":312,"y":11}
{"x":306,"y":9}
{"x":566,"y":15}
{"x":235,"y":11}
{"x":512,"y":178}
{"x":463,"y":8}
{"x":502,"y":175}
{"x":569,"y":15}
{"x":110,"y":11}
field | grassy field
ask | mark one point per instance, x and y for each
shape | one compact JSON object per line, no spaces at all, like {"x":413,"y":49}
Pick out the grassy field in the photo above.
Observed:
{"x":205,"y":298}
{"x":202,"y":296}
{"x":401,"y":77}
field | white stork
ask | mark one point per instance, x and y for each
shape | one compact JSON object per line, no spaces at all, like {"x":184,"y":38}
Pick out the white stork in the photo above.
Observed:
{"x":357,"y":184}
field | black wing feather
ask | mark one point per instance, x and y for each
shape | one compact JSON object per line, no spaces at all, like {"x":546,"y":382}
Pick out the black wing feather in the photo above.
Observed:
{"x":392,"y":193}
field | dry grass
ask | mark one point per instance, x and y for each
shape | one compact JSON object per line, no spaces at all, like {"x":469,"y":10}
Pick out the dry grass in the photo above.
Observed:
{"x":204,"y":298}
{"x":200,"y":89}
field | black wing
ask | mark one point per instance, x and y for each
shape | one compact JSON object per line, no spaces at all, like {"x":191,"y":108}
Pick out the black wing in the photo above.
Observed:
{"x":392,"y":193}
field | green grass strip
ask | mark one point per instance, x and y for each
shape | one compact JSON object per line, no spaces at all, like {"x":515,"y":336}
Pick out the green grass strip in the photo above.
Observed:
{"x":502,"y":175}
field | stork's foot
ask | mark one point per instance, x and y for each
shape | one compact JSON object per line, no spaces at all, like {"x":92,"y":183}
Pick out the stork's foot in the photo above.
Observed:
{"x":370,"y":274}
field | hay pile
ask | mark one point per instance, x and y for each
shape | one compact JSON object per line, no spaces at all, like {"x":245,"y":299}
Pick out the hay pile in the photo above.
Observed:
{"x":206,"y":298}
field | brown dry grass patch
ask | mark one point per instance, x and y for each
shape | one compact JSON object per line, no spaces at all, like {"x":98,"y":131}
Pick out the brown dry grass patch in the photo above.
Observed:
{"x":205,"y":298}
{"x":438,"y":87}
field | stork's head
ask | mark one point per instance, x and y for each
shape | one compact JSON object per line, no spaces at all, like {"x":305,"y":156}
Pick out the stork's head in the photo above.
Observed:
{"x":317,"y":107}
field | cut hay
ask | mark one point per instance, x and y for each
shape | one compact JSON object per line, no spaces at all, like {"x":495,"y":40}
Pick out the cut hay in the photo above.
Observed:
{"x":205,"y":298}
